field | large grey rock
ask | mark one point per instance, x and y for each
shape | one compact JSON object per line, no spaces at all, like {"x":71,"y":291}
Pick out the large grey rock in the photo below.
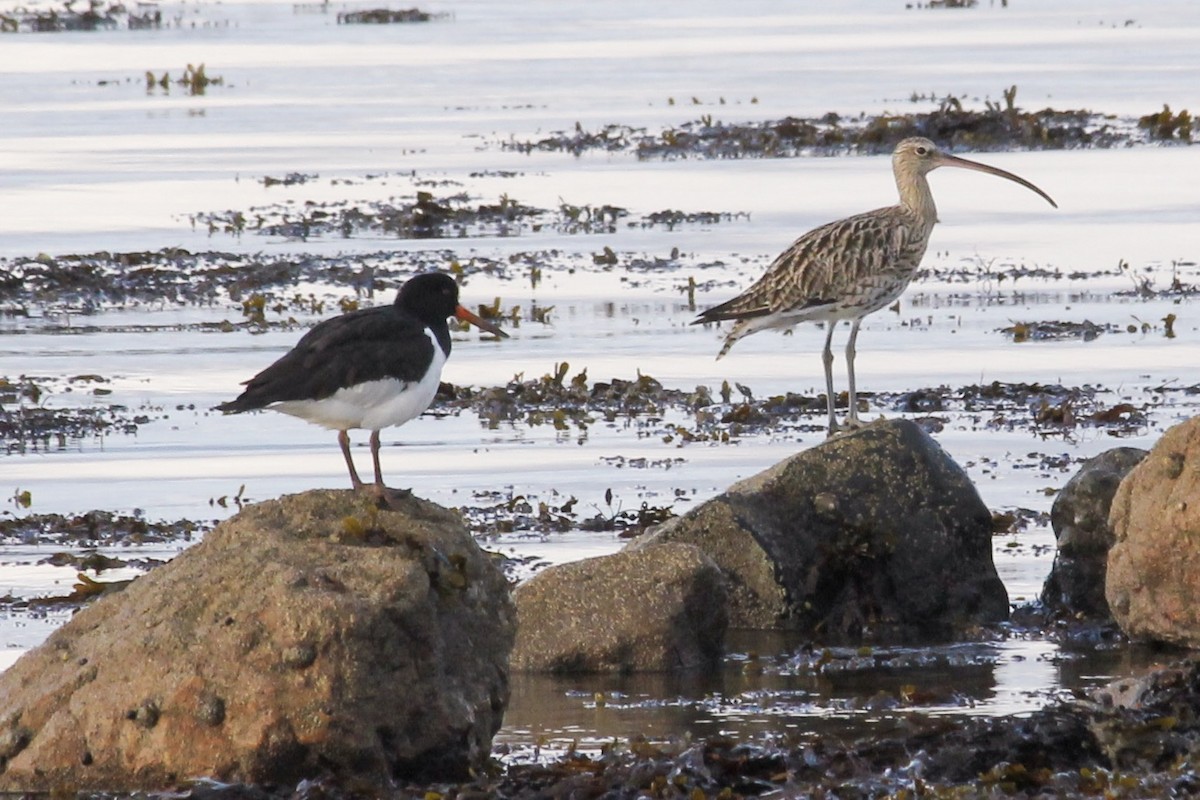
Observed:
{"x":652,"y":609}
{"x":1154,"y":566}
{"x":1079,"y":517}
{"x":873,"y":534}
{"x":306,"y":635}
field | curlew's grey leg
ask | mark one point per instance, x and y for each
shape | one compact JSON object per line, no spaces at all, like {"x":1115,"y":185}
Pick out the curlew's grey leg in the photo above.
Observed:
{"x":852,"y":420}
{"x":375,"y":460}
{"x":344,"y":441}
{"x":827,"y":359}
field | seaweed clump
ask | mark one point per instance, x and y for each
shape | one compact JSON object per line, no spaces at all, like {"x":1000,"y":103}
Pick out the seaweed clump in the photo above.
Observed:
{"x":423,"y":217}
{"x":999,"y":125}
{"x":553,"y":399}
{"x":27,"y":424}
{"x":1168,"y":127}
{"x":95,"y":529}
{"x":95,"y":17}
{"x":194,"y":80}
{"x":386,"y":16}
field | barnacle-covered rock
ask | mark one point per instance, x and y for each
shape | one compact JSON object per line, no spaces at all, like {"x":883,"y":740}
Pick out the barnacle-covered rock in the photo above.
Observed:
{"x":875,"y":534}
{"x":311,"y":635}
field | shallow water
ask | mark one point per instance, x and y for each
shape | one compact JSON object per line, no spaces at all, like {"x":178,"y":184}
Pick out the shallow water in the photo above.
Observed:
{"x":92,"y":167}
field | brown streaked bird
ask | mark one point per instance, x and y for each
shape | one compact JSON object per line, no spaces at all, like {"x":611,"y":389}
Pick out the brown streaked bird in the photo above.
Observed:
{"x":371,"y":369}
{"x":850,"y":268}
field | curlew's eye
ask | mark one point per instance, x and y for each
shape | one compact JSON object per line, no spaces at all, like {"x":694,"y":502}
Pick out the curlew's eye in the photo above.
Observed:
{"x":922,"y":151}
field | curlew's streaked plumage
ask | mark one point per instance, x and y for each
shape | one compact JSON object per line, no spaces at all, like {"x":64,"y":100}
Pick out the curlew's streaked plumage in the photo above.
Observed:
{"x":850,"y":268}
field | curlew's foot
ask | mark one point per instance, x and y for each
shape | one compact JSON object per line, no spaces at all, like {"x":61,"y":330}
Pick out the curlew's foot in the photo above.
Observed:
{"x":849,"y":425}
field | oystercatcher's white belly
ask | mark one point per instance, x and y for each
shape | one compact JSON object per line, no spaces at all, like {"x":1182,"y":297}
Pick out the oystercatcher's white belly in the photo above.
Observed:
{"x":371,"y":405}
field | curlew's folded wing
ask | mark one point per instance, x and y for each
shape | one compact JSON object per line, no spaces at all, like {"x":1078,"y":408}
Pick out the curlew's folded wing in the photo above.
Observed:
{"x":831,"y":265}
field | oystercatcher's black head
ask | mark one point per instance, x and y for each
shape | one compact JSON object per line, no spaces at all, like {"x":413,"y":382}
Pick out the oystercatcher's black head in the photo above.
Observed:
{"x":433,"y":296}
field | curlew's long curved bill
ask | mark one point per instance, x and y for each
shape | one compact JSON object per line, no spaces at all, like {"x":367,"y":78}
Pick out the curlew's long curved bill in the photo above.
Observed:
{"x":945,"y":160}
{"x":462,"y":313}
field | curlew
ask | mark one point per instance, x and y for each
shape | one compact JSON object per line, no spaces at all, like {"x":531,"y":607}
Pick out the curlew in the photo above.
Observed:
{"x":371,"y":369}
{"x":850,"y":268}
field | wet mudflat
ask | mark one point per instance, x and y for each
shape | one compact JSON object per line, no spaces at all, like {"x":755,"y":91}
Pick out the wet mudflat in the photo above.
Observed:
{"x":142,"y":279}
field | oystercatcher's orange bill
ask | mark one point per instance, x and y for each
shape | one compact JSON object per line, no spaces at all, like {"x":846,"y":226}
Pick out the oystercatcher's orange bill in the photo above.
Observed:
{"x":462,"y":313}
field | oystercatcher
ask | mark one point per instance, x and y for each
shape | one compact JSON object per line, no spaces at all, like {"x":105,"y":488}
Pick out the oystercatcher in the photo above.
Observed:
{"x":369,"y":369}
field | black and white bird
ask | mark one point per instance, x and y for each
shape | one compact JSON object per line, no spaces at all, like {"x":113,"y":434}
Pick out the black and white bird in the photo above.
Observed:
{"x":370,"y":369}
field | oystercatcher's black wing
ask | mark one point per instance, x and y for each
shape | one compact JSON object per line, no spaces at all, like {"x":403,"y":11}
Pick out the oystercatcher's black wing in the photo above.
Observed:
{"x":361,"y":346}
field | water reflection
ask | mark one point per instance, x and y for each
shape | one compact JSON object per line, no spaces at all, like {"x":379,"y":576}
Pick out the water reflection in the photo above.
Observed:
{"x":1088,"y":667}
{"x":763,"y":686}
{"x":758,"y":691}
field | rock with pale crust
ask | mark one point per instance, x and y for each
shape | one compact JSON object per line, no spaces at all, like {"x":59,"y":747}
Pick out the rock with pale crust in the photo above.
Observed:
{"x":1154,"y":566}
{"x":308,"y":635}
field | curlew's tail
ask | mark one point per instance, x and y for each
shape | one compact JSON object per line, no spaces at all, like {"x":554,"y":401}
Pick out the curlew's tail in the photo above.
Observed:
{"x":742,"y":328}
{"x":736,"y":311}
{"x":731,"y":309}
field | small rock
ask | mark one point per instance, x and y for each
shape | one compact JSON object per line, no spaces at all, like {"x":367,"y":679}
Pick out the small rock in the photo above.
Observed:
{"x":1143,"y":721}
{"x":145,"y":715}
{"x":1079,"y":517}
{"x":646,"y":609}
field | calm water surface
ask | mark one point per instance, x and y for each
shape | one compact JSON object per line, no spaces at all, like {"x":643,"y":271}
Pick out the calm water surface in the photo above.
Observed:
{"x":92,"y":161}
